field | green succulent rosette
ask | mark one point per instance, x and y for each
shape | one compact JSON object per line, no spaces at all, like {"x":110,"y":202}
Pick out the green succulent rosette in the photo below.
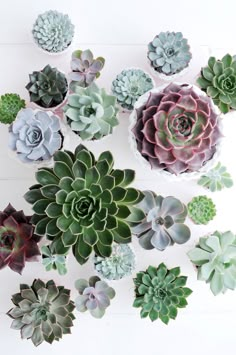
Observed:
{"x":201,"y":209}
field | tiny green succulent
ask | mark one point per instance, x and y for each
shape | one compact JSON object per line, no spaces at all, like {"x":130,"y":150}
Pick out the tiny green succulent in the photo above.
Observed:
{"x":160,"y":292}
{"x":215,"y":258}
{"x":218,"y":80}
{"x":10,"y":105}
{"x":216,"y":179}
{"x":201,"y":209}
{"x":53,"y":261}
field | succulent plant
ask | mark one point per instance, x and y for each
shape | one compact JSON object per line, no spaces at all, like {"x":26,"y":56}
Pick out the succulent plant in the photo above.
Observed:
{"x":53,"y":31}
{"x":91,"y":112}
{"x":84,"y":203}
{"x":129,"y":85}
{"x":42,"y":312}
{"x":18,"y":241}
{"x":163,"y":224}
{"x":10,"y":105}
{"x":85,"y":69}
{"x":218,"y":80}
{"x":216,"y":179}
{"x":169,"y":53}
{"x":160,"y":292}
{"x":48,"y":87}
{"x":94,"y":295}
{"x":201,"y":209}
{"x":215,"y":259}
{"x":35,"y":135}
{"x":53,"y":261}
{"x":120,"y":264}
{"x":177,"y":129}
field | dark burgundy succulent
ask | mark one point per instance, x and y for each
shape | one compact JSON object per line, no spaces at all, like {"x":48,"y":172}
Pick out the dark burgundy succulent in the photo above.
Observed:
{"x":18,"y":243}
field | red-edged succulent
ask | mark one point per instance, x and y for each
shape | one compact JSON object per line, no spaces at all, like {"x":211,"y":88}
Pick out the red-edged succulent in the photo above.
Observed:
{"x":18,"y":243}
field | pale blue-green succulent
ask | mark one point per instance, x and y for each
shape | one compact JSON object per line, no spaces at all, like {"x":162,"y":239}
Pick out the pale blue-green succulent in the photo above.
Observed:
{"x":216,"y":179}
{"x":53,"y":261}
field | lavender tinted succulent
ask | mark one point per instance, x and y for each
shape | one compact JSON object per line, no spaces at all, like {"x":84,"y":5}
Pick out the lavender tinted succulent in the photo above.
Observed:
{"x":163,"y":224}
{"x":129,"y":85}
{"x":35,"y":135}
{"x":94,"y":296}
{"x":177,"y":129}
{"x":216,"y":179}
{"x":201,"y":209}
{"x":53,"y":261}
{"x":10,"y":105}
{"x":169,"y":53}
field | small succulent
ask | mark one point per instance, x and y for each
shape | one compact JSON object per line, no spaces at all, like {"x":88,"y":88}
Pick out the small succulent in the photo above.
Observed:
{"x":120,"y":264}
{"x":48,"y":87}
{"x":201,"y":209}
{"x":215,"y":258}
{"x":129,"y":85}
{"x":94,"y":296}
{"x":10,"y":105}
{"x":163,"y":224}
{"x":18,"y":241}
{"x":42,"y":312}
{"x":85,"y":69}
{"x":177,"y":129}
{"x":216,"y":179}
{"x":53,"y":261}
{"x":218,"y":80}
{"x":35,"y":135}
{"x":169,"y":53}
{"x":160,"y":292}
{"x":91,"y":112}
{"x":84,"y":203}
{"x":53,"y":31}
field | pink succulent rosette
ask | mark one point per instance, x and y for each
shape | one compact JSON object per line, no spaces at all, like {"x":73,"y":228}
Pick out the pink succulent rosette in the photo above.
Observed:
{"x":177,"y":129}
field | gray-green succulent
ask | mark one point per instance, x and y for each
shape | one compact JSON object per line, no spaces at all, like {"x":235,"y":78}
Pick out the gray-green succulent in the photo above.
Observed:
{"x":216,"y":179}
{"x":53,"y":261}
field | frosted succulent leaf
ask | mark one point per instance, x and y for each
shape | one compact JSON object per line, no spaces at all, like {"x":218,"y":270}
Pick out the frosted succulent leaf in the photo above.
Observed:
{"x":10,"y":105}
{"x":201,"y":209}
{"x":53,"y":261}
{"x":216,"y":179}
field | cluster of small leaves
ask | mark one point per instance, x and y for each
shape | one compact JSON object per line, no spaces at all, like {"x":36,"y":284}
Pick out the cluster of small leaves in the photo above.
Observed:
{"x":201,"y":209}
{"x":216,"y":179}
{"x":53,"y":261}
{"x":10,"y":105}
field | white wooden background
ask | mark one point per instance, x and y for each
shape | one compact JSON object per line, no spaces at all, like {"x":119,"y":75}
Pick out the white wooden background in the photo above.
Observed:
{"x":119,"y":31}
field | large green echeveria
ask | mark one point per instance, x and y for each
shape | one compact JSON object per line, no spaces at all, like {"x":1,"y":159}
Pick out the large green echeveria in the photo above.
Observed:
{"x":84,"y":203}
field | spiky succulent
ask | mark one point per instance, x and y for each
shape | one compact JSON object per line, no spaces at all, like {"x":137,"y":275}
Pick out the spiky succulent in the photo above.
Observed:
{"x":48,"y":87}
{"x":215,"y":258}
{"x":53,"y":261}
{"x":201,"y":209}
{"x":176,"y":129}
{"x":129,"y":85}
{"x":18,"y":241}
{"x":84,"y":203}
{"x":53,"y":31}
{"x":120,"y":264}
{"x":216,"y":179}
{"x":94,"y":296}
{"x":85,"y":69}
{"x":169,"y":53}
{"x":91,"y":112}
{"x":163,"y":224}
{"x":218,"y":80}
{"x":10,"y":105}
{"x":42,"y":312}
{"x":160,"y":292}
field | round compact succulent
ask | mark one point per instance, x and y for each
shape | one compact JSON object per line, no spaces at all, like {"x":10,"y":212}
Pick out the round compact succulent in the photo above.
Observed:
{"x":53,"y":31}
{"x":120,"y":264}
{"x":35,"y":135}
{"x":47,"y":88}
{"x":53,"y":261}
{"x":94,"y":296}
{"x":91,"y":112}
{"x":216,"y":179}
{"x":18,"y":241}
{"x":163,"y":224}
{"x":159,"y":293}
{"x":84,"y":203}
{"x":201,"y":209}
{"x":169,"y":53}
{"x":218,"y":80}
{"x":42,"y":312}
{"x":215,"y":258}
{"x":10,"y":105}
{"x":129,"y":85}
{"x":176,"y":129}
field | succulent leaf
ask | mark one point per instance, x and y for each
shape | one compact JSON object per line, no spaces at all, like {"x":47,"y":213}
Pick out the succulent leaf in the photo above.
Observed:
{"x":10,"y":105}
{"x":216,"y":179}
{"x":201,"y":209}
{"x":53,"y":261}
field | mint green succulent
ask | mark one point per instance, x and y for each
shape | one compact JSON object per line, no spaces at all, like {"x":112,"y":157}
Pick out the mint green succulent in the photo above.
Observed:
{"x":215,"y":258}
{"x":10,"y":105}
{"x":91,"y":112}
{"x":120,"y":264}
{"x":201,"y":209}
{"x":53,"y":261}
{"x":216,"y":179}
